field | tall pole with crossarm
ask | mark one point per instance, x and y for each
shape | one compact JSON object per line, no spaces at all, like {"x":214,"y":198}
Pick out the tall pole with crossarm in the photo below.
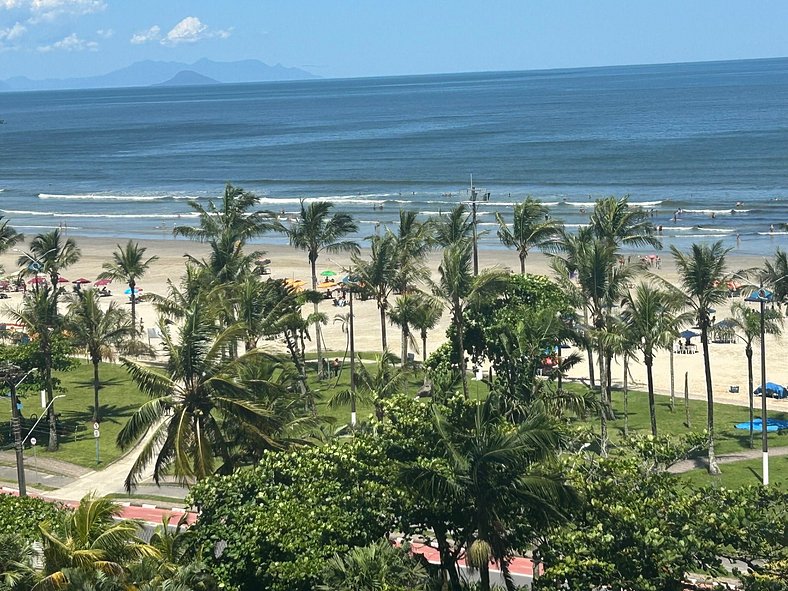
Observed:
{"x":762,"y":296}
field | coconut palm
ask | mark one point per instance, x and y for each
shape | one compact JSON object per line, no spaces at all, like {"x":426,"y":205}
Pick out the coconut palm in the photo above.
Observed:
{"x":747,"y":324}
{"x":316,"y":230}
{"x":128,"y":264}
{"x":405,"y":311}
{"x":88,"y":541}
{"x":456,"y":226}
{"x":227,"y":228}
{"x":373,"y":386}
{"x":40,"y":317}
{"x":488,"y":469}
{"x":702,"y":273}
{"x":16,"y":563}
{"x":776,"y":276}
{"x":622,"y":224}
{"x":458,"y":289}
{"x":426,"y":317}
{"x":9,"y":237}
{"x":379,"y":275}
{"x":99,"y":332}
{"x":198,"y":406}
{"x":50,"y":253}
{"x":652,"y":317}
{"x":377,"y":566}
{"x":531,"y":228}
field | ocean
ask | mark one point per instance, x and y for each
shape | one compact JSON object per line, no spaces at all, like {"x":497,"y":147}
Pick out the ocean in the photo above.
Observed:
{"x":706,"y":140}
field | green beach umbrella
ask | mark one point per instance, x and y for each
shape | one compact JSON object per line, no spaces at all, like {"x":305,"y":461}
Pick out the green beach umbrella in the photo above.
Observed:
{"x":328,"y":273}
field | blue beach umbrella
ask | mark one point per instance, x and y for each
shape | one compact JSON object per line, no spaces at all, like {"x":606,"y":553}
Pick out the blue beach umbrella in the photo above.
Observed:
{"x":137,"y":291}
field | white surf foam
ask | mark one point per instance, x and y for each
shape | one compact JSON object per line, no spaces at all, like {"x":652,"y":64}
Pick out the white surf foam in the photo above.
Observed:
{"x":106,"y":197}
{"x":155,"y":216}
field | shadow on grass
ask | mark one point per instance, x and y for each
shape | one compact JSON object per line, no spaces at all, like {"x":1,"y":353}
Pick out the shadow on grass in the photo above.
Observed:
{"x":107,"y":413}
{"x":88,"y":384}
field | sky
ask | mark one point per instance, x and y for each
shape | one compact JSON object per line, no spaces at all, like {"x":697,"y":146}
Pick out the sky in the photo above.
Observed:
{"x":346,"y":38}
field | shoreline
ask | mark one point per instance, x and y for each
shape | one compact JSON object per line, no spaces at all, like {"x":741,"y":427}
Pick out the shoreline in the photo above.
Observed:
{"x":729,"y":365}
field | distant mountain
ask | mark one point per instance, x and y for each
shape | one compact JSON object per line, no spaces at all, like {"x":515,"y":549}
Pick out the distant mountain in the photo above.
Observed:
{"x":148,"y":73}
{"x":188,"y":78}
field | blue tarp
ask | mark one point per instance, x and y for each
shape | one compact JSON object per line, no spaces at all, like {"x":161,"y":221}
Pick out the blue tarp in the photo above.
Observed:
{"x":773,"y":390}
{"x":772,"y":425}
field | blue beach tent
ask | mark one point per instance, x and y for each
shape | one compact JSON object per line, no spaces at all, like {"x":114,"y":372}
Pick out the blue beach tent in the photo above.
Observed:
{"x":772,"y":425}
{"x":773,"y":390}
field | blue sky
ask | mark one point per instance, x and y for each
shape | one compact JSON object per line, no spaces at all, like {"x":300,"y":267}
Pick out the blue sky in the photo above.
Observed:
{"x":64,"y":38}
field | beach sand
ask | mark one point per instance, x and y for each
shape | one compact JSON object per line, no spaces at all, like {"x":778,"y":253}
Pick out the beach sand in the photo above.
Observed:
{"x":729,"y":364}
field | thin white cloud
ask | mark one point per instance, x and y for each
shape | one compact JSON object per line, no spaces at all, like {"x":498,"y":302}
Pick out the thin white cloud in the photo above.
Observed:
{"x":105,"y":33}
{"x":189,"y":30}
{"x":13,"y":33}
{"x":152,"y":34}
{"x":71,"y":43}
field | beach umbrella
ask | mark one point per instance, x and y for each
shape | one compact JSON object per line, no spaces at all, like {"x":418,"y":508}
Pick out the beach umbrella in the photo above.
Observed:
{"x":81,"y":281}
{"x":688,"y":334}
{"x":137,"y":290}
{"x":102,"y":282}
{"x":327,"y":285}
{"x":37,"y":280}
{"x":62,"y":280}
{"x":328,"y":273}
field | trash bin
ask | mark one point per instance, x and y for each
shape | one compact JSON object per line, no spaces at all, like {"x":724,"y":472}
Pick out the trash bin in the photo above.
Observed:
{"x":733,"y":389}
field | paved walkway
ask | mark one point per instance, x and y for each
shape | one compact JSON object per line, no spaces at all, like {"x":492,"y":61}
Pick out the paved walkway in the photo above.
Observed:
{"x":703,"y":462}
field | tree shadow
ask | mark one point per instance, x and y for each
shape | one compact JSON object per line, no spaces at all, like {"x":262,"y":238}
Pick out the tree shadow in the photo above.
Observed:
{"x":88,"y":384}
{"x":107,"y":413}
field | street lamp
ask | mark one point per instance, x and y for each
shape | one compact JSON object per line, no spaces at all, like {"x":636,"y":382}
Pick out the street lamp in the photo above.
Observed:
{"x":9,"y":375}
{"x":762,"y":296}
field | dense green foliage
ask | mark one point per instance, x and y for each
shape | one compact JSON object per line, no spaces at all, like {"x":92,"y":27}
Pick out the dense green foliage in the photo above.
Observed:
{"x":20,"y":516}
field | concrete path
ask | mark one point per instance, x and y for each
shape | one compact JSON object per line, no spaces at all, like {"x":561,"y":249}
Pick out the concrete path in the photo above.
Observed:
{"x":703,"y":462}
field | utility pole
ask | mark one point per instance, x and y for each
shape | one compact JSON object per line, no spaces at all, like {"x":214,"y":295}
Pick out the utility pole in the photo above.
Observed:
{"x":352,"y":360}
{"x":764,"y":416}
{"x":9,"y":374}
{"x":475,"y":246}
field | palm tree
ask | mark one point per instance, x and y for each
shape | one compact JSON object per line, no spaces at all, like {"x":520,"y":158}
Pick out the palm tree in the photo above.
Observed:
{"x":456,"y":226}
{"x":378,"y":566}
{"x":531,"y":228}
{"x":9,"y":237}
{"x":489,"y":471}
{"x":227,"y":228}
{"x":97,"y":331}
{"x":128,"y":264}
{"x":90,"y":540}
{"x":16,"y":563}
{"x":616,"y":221}
{"x":184,"y":425}
{"x":379,"y":275}
{"x":747,"y":323}
{"x":51,"y":253}
{"x":426,"y":316}
{"x":405,"y":311}
{"x":459,"y":290}
{"x":703,"y":282}
{"x":375,"y":386}
{"x":317,"y":230}
{"x":651,"y":316}
{"x":40,"y":317}
{"x":776,"y":276}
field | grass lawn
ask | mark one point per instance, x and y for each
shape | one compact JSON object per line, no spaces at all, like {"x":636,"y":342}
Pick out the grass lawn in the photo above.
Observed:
{"x":736,"y":474}
{"x":119,"y":399}
{"x":728,"y":439}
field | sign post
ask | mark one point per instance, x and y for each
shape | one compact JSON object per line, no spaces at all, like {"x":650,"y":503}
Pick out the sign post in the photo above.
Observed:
{"x":96,"y":435}
{"x":33,"y":442}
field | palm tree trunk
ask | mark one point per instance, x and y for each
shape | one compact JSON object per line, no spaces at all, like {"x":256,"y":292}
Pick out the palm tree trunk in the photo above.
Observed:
{"x":53,"y":442}
{"x":461,"y":351}
{"x":383,"y":340}
{"x":96,"y":386}
{"x":648,"y":359}
{"x":714,"y":469}
{"x":626,"y":395}
{"x":318,"y":333}
{"x":423,"y":347}
{"x":484,"y":576}
{"x":447,"y":561}
{"x":686,"y":400}
{"x":750,"y":395}
{"x":602,"y":419}
{"x":507,"y":577}
{"x":522,"y":263}
{"x":589,"y":351}
{"x":132,"y":285}
{"x":672,"y":383}
{"x":404,"y":360}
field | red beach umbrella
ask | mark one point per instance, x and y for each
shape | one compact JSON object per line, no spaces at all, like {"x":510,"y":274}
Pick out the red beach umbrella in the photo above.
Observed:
{"x":102,"y":282}
{"x":81,"y":281}
{"x":62,"y":280}
{"x":37,"y":281}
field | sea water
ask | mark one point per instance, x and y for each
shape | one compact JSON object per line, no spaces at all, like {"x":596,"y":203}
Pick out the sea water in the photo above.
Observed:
{"x":706,"y":143}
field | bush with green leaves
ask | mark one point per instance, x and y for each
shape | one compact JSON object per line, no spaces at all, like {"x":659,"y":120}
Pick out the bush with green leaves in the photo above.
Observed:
{"x":274,"y":526}
{"x":20,"y":516}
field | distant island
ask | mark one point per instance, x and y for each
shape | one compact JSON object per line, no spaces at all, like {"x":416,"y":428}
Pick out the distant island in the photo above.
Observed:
{"x":188,"y":78}
{"x":156,"y":73}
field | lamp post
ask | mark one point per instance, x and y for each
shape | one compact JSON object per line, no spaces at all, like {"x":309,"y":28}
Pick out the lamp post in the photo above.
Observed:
{"x":9,"y":375}
{"x":762,"y":296}
{"x":351,"y":285}
{"x":474,"y":193}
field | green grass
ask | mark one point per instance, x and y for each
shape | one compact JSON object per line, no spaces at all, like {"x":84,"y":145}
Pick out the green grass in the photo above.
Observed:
{"x":742,"y":473}
{"x":175,"y":501}
{"x":119,"y":398}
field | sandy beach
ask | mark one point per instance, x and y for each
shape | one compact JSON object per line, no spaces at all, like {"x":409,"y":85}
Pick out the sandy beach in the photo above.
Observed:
{"x":729,"y":365}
